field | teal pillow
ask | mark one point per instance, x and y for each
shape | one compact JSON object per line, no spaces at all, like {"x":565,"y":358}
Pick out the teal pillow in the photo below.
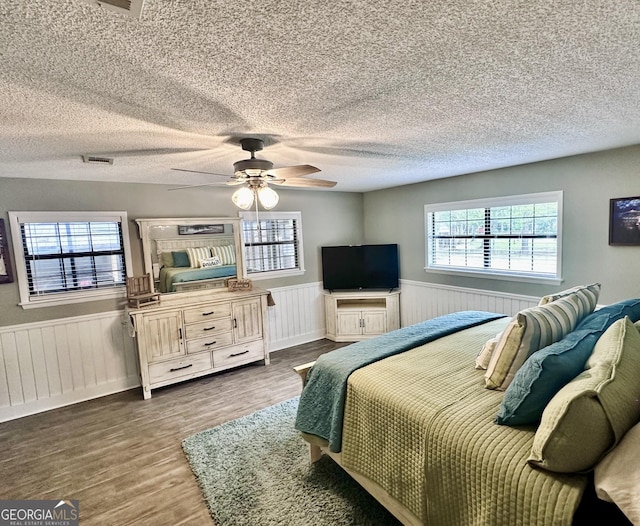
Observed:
{"x":181,"y":259}
{"x":547,"y":371}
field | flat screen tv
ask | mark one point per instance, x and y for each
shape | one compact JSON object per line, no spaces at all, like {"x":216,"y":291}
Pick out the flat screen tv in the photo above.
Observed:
{"x":359,"y":267}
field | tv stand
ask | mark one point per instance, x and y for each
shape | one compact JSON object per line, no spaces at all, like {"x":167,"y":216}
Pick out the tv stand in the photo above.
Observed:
{"x":355,"y":316}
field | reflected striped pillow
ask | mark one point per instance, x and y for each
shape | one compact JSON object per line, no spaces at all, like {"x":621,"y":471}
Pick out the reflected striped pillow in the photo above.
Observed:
{"x":226,"y":253}
{"x":531,"y":330}
{"x":196,"y":254}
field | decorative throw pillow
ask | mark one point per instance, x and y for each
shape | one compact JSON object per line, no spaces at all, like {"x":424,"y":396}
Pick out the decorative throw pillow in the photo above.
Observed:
{"x":529,"y":331}
{"x":617,"y":476}
{"x":586,"y":293}
{"x":180,"y":259}
{"x":213,"y":261}
{"x":196,"y":254}
{"x":545,"y":372}
{"x":591,"y":414}
{"x":226,"y":253}
{"x":166,"y":259}
{"x":484,"y":356}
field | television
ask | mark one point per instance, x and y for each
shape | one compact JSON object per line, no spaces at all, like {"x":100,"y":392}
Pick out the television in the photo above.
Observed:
{"x":359,"y":267}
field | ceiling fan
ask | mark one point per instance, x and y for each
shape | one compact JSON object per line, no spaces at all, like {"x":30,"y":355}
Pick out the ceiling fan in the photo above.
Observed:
{"x":257,"y":174}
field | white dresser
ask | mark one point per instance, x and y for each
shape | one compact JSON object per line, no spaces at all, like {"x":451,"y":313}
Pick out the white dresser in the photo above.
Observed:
{"x":197,"y":333}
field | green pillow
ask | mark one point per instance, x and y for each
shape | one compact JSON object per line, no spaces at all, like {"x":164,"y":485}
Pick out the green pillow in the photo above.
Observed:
{"x":180,"y":259}
{"x":166,"y":259}
{"x":590,"y":414}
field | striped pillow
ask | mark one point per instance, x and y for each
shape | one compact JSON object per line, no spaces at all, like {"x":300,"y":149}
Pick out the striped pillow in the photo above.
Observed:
{"x":196,"y":254}
{"x":531,"y":330}
{"x":587,"y":294}
{"x":226,"y":253}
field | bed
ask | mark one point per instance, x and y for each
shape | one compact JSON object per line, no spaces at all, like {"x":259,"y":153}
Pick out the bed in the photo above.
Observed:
{"x":188,"y":264}
{"x":416,"y":424}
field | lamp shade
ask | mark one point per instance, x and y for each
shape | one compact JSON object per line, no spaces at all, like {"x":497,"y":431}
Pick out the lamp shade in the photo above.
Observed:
{"x":243,"y":198}
{"x":268,"y":197}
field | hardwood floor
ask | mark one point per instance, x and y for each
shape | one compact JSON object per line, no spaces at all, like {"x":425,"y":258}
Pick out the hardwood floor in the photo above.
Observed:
{"x":121,"y":456}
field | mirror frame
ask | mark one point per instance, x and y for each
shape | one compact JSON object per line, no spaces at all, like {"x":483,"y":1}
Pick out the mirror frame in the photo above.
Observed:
{"x":144,"y":229}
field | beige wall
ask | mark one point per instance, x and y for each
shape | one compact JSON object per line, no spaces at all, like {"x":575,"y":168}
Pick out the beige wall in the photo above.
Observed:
{"x":327,"y":218}
{"x":589,"y":182}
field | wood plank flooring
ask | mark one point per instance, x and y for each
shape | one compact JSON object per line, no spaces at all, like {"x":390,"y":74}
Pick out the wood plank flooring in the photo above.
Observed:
{"x":121,"y":456}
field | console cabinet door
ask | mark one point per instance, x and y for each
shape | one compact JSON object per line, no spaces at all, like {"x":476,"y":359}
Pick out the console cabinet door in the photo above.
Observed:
{"x":350,"y":324}
{"x":163,"y":336}
{"x":374,"y":323}
{"x":247,"y":325}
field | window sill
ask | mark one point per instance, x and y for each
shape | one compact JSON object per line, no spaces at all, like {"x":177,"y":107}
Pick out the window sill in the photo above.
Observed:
{"x":275,"y":274}
{"x":78,"y":297}
{"x":521,"y":278}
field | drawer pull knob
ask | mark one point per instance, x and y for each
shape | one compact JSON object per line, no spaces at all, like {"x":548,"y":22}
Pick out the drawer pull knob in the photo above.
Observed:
{"x":238,"y":353}
{"x":209,"y":328}
{"x":211,"y":343}
{"x":208,"y":313}
{"x":173,"y":369}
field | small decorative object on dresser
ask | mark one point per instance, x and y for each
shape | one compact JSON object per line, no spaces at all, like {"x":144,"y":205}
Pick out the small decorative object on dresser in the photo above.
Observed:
{"x":139,"y":292}
{"x":239,"y":284}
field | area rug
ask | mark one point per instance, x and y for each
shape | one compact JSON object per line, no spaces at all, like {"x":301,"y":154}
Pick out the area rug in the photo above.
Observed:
{"x":255,"y":471}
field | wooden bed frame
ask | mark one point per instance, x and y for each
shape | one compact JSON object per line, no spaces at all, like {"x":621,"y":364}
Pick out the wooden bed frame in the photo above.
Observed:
{"x":316,"y":450}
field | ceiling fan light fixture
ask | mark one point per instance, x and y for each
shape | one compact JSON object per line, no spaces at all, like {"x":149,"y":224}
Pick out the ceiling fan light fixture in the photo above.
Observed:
{"x":268,"y":197}
{"x":243,"y":198}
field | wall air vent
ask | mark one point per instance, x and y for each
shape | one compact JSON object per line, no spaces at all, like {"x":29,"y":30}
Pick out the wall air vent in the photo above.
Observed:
{"x":95,"y":159}
{"x":132,"y":8}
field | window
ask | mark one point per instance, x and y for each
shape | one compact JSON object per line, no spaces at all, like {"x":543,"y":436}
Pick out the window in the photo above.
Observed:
{"x":70,"y":257}
{"x":272,"y":244}
{"x":516,"y":237}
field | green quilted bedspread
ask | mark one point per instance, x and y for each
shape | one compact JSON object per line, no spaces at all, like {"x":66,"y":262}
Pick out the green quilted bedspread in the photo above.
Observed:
{"x":421,"y":425}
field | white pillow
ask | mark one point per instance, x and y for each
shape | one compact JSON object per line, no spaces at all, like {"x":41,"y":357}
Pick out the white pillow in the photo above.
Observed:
{"x":213,"y":261}
{"x":617,"y":475}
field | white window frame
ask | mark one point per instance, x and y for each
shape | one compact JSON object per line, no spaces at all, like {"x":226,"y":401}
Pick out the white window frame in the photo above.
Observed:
{"x":28,"y":301}
{"x":530,"y":277}
{"x":257,"y":216}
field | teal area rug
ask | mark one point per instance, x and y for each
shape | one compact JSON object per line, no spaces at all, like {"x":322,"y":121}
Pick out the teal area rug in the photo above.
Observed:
{"x":255,"y":471}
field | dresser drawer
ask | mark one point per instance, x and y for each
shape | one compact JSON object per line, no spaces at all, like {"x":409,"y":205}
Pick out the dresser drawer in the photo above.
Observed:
{"x":159,"y":372}
{"x":213,"y":341}
{"x":239,"y":354}
{"x":207,"y":312}
{"x":206,"y":328}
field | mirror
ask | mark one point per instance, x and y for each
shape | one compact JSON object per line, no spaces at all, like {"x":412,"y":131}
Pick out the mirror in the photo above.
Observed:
{"x":187,"y":254}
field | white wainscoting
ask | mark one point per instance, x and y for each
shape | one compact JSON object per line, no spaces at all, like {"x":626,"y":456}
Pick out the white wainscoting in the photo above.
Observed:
{"x":60,"y":362}
{"x":421,"y":301}
{"x":297,"y":317}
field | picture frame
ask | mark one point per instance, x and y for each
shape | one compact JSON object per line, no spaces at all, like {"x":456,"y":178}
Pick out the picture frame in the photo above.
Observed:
{"x":624,"y":221}
{"x":6,"y":276}
{"x":188,"y":230}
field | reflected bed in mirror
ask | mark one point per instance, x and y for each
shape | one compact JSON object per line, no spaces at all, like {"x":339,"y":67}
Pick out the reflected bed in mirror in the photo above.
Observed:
{"x":186,"y":254}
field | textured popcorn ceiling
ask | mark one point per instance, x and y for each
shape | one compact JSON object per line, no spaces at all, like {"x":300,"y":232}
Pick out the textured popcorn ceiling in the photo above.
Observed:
{"x":375,"y":94}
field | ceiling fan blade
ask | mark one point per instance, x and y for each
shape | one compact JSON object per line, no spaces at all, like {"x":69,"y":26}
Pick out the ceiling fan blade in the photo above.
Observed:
{"x":196,"y":186}
{"x":235,"y":182}
{"x":199,"y":172}
{"x":308,"y":183}
{"x":288,"y":172}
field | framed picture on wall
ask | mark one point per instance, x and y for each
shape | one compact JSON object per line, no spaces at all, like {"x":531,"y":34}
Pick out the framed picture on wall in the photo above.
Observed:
{"x":624,"y":221}
{"x":185,"y":230}
{"x":5,"y":262}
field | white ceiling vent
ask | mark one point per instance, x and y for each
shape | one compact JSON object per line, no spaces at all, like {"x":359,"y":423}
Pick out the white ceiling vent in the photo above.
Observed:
{"x":132,"y":8}
{"x":95,"y":159}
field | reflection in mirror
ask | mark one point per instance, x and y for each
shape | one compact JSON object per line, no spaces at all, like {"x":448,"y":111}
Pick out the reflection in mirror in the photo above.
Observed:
{"x":186,"y":254}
